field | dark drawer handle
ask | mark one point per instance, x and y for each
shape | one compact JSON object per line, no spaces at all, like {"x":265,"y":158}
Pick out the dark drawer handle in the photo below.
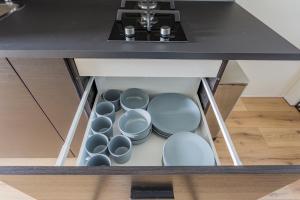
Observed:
{"x":152,"y":192}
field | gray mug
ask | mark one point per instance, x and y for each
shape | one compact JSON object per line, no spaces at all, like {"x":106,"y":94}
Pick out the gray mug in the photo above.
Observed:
{"x":106,"y":108}
{"x":96,"y":144}
{"x":98,"y":160}
{"x":102,"y":125}
{"x":120,"y":149}
{"x":113,"y":96}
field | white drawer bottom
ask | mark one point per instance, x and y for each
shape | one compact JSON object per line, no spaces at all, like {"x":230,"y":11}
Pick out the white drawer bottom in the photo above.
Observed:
{"x":150,"y":152}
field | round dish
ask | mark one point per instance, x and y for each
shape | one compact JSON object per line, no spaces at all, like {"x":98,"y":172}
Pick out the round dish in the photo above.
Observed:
{"x":134,"y":98}
{"x":187,"y":149}
{"x":135,"y":124}
{"x":172,"y":113}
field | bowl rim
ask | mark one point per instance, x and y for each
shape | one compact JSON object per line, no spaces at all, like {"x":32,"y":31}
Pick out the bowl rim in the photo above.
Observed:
{"x":111,"y":90}
{"x":141,"y":92}
{"x":119,"y":155}
{"x":142,"y":112}
{"x":99,"y":155}
{"x":105,"y":102}
{"x":101,"y":132}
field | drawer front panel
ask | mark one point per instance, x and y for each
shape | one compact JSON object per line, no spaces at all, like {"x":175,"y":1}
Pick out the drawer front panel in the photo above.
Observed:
{"x":148,"y":67}
{"x":187,"y":187}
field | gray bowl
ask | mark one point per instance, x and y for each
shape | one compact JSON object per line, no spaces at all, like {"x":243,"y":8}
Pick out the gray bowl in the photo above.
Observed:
{"x":134,"y":98}
{"x":120,"y":149}
{"x":113,"y":96}
{"x":135,"y":124}
{"x":99,"y":161}
{"x":102,"y":125}
{"x":187,"y":149}
{"x":96,"y":144}
{"x":106,"y":108}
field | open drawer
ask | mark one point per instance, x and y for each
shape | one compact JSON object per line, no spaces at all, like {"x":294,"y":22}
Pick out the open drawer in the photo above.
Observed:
{"x":150,"y":152}
{"x":143,"y":177}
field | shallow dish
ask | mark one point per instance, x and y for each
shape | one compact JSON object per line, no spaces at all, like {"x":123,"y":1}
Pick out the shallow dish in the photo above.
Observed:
{"x":135,"y":124}
{"x":172,"y":113}
{"x":134,"y":98}
{"x":187,"y":149}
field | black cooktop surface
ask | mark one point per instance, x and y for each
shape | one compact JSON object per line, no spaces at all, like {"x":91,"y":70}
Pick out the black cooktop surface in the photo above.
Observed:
{"x":141,"y":33}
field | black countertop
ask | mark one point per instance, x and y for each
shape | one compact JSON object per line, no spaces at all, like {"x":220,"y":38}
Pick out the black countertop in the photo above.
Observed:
{"x":80,"y":28}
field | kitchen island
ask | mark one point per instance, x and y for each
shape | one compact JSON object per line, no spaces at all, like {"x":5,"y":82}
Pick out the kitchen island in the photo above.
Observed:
{"x":80,"y":29}
{"x":50,"y":46}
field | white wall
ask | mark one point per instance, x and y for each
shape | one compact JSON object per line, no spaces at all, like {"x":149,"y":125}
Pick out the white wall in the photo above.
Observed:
{"x":271,"y":78}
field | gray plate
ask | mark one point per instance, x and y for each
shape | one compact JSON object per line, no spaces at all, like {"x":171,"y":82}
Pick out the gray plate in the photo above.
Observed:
{"x":187,"y":149}
{"x":158,"y":132}
{"x":172,"y":113}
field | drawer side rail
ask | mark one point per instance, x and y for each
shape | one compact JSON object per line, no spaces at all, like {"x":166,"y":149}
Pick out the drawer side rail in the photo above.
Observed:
{"x":233,"y":153}
{"x":66,"y":146}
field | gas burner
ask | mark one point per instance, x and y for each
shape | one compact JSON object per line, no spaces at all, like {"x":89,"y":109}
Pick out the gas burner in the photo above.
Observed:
{"x":148,"y":20}
{"x":142,"y":4}
{"x":145,"y":5}
{"x":144,"y":20}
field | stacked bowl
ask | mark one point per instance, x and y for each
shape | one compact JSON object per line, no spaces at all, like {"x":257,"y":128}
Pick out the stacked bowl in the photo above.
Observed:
{"x":134,"y":98}
{"x":136,"y":125}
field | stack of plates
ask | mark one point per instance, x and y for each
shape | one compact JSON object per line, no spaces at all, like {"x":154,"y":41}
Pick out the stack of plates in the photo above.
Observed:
{"x":173,"y":113}
{"x":187,"y":149}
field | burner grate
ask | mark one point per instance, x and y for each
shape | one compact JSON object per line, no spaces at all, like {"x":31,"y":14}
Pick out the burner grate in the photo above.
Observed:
{"x":161,"y":24}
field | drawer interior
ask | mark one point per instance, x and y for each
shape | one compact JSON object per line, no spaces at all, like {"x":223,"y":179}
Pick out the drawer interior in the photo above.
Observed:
{"x":150,"y":152}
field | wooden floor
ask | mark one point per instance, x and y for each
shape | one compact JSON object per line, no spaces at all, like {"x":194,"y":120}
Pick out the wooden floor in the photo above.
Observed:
{"x":265,"y":131}
{"x":289,"y":192}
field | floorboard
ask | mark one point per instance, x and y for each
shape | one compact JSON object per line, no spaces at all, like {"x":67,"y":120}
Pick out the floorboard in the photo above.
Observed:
{"x":265,"y":131}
